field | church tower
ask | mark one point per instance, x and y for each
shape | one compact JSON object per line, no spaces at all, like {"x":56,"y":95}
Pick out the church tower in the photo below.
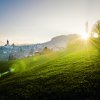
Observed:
{"x":7,"y":42}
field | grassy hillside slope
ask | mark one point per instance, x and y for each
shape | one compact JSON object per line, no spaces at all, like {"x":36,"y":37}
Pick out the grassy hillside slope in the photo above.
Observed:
{"x":63,"y":75}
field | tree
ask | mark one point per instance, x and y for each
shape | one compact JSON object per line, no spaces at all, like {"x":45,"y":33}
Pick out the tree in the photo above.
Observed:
{"x":12,"y":57}
{"x":96,"y":31}
{"x":96,"y":28}
{"x":46,"y":50}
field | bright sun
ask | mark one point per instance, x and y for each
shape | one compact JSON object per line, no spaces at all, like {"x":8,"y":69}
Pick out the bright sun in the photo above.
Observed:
{"x":85,"y":36}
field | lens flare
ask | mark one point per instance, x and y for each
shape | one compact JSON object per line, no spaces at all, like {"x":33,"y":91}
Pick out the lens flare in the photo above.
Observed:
{"x":95,"y":35}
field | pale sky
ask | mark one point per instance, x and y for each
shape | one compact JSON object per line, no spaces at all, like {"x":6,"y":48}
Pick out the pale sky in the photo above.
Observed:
{"x":35,"y":21}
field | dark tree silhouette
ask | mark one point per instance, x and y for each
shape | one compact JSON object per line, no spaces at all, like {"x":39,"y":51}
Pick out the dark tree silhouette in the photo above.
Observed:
{"x":46,"y":50}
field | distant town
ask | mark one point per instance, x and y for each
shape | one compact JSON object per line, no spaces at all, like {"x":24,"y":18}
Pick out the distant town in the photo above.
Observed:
{"x":13,"y":51}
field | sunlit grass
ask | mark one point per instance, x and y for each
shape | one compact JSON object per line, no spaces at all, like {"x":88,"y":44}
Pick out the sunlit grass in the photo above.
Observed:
{"x":59,"y":74}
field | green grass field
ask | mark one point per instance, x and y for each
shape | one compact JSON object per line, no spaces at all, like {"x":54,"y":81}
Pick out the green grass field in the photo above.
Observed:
{"x":67,"y":75}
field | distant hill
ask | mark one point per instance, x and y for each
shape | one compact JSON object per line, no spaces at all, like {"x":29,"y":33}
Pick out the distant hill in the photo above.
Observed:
{"x":60,"y":42}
